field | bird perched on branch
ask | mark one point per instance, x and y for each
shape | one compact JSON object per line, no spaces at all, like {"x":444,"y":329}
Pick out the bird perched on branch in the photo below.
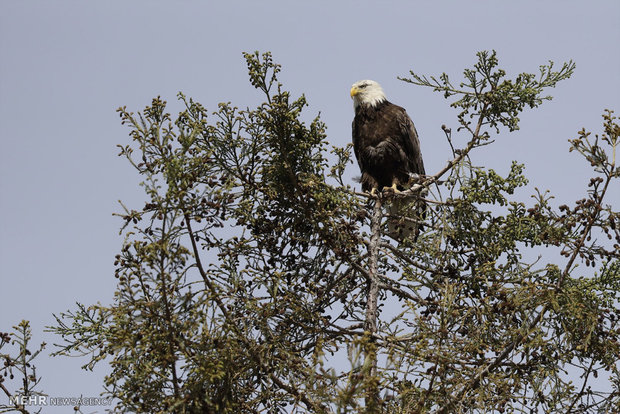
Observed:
{"x":387,"y":149}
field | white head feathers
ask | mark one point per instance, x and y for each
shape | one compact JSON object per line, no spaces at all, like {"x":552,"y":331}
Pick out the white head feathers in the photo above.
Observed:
{"x":367,"y":92}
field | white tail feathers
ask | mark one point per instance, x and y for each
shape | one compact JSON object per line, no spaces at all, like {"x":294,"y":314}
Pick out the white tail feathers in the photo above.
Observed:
{"x":404,"y":218}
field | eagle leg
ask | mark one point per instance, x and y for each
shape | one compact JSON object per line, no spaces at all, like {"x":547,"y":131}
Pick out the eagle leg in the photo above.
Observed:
{"x":393,"y":187}
{"x":373,"y":192}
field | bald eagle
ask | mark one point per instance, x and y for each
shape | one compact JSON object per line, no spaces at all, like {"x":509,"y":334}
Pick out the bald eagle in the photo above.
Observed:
{"x":387,"y":149}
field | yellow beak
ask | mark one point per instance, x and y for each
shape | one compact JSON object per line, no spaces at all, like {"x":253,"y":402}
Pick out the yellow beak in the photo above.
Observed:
{"x":354,"y":91}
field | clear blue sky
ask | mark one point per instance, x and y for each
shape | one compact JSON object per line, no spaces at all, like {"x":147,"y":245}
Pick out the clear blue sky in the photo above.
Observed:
{"x":65,"y":66}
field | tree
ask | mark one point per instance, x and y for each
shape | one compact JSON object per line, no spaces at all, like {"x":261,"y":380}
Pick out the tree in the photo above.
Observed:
{"x":255,"y":279}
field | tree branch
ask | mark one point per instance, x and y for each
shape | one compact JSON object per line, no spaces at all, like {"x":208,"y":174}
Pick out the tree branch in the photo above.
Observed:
{"x":462,"y":154}
{"x":370,"y":322}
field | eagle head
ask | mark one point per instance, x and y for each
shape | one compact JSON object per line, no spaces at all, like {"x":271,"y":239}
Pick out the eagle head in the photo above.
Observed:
{"x":367,"y":92}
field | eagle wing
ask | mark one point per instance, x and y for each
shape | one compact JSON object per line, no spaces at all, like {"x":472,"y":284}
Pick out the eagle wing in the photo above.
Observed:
{"x":410,"y":143}
{"x":356,"y":143}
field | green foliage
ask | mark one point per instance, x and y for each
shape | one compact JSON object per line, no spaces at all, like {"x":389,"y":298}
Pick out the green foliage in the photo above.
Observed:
{"x":246,"y":282}
{"x":487,"y":187}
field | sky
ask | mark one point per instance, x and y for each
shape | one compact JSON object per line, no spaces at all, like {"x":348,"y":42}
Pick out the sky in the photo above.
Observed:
{"x":66,"y":66}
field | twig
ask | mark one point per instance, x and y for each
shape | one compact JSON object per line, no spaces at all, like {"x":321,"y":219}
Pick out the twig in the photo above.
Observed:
{"x":18,"y":407}
{"x":583,"y":387}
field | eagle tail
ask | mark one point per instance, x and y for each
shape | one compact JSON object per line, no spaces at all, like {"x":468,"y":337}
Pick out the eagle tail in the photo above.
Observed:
{"x":405,"y":216}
